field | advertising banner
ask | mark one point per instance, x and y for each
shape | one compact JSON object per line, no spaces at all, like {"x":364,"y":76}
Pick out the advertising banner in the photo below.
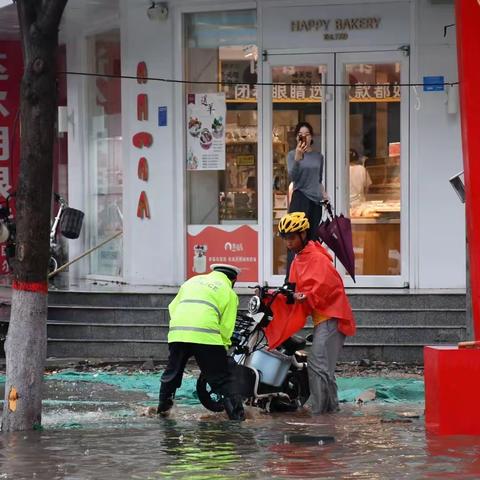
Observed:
{"x":236,"y":245}
{"x":11,"y":70}
{"x":206,"y":115}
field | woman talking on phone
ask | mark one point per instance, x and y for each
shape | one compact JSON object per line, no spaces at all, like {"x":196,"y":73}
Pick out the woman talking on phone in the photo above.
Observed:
{"x":305,"y":171}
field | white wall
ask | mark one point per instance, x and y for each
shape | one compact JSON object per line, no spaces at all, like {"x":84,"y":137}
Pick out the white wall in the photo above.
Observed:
{"x":151,"y":245}
{"x":438,"y":225}
{"x":77,"y":146}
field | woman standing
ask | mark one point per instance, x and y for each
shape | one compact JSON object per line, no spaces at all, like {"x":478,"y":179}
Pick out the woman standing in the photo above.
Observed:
{"x":305,"y":170}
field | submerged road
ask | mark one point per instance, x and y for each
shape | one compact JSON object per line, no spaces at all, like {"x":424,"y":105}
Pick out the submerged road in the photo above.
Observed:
{"x":99,"y":430}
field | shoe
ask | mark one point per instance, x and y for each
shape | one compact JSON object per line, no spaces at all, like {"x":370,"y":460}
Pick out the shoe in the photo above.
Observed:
{"x":234,"y":408}
{"x":165,"y":406}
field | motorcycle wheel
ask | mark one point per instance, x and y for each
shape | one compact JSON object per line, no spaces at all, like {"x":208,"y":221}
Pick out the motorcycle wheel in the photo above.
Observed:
{"x":297,"y":386}
{"x":210,"y":400}
{"x":52,"y":264}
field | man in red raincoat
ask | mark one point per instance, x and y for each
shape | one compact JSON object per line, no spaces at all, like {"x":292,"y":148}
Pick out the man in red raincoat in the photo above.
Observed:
{"x":319,"y":292}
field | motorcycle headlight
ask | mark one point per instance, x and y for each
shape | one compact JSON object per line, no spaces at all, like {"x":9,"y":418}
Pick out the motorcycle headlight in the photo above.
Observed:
{"x":254,"y":305}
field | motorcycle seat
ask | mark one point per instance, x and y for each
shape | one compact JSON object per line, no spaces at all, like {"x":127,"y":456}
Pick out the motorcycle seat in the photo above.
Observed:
{"x":292,"y":344}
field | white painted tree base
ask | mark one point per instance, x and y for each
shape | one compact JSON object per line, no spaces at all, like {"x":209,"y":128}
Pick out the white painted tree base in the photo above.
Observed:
{"x":26,"y":350}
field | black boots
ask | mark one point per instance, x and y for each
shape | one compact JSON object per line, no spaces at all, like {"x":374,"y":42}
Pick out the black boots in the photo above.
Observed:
{"x":234,"y":408}
{"x":165,"y":404}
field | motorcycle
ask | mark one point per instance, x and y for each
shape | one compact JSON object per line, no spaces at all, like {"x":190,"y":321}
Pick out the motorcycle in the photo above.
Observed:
{"x":8,"y":232}
{"x":68,"y":221}
{"x":273,"y":380}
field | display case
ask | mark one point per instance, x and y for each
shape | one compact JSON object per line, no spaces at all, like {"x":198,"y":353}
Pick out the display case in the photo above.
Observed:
{"x":238,"y":182}
{"x":376,"y":219}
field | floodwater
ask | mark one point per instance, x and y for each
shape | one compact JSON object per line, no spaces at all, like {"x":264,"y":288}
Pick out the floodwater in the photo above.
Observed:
{"x":94,"y":430}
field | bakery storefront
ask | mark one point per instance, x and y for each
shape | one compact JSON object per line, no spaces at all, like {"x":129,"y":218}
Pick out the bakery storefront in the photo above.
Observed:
{"x":343,"y":69}
{"x":183,"y":162}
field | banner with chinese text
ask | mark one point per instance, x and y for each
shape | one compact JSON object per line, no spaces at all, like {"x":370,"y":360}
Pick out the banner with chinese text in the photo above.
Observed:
{"x":11,"y":70}
{"x":236,"y":245}
{"x":359,"y":92}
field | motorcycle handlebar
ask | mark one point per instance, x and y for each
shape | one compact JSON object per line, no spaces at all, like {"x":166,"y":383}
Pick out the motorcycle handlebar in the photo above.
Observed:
{"x":287,"y":290}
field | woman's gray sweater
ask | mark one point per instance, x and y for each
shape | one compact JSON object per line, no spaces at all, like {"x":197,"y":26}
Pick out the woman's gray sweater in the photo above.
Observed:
{"x":307,"y":174}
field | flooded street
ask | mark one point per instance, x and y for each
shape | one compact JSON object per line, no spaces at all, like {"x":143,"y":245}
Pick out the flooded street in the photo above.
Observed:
{"x":98,"y":430}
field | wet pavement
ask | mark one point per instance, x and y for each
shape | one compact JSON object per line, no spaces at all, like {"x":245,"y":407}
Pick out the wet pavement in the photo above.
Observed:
{"x":98,"y":430}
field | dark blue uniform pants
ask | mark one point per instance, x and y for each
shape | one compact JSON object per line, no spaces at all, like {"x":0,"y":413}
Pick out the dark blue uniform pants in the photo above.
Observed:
{"x":211,"y":359}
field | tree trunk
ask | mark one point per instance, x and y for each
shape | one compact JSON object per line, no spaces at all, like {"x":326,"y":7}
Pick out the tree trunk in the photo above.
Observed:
{"x":27,"y":339}
{"x":26,"y":348}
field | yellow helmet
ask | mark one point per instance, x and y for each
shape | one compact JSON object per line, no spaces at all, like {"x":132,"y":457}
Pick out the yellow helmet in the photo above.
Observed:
{"x":294,"y":222}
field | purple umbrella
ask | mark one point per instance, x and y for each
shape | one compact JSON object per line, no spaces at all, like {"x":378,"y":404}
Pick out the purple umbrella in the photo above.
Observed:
{"x":336,"y":232}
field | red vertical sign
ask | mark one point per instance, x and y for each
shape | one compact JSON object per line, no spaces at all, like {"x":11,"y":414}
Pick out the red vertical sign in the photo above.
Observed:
{"x":468,"y":45}
{"x":11,"y":70}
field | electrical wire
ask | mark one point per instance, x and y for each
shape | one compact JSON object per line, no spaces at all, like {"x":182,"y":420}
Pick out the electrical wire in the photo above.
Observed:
{"x":261,"y":84}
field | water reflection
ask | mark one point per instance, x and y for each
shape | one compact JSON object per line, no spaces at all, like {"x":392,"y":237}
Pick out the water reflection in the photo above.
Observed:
{"x":206,"y":449}
{"x":460,"y":454}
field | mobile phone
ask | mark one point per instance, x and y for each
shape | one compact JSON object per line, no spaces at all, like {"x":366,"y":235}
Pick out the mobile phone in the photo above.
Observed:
{"x":301,"y":138}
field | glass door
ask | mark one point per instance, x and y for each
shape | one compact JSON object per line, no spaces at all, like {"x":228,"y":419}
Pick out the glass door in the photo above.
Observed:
{"x":372,"y":164}
{"x":295,"y":96}
{"x":361,"y":129}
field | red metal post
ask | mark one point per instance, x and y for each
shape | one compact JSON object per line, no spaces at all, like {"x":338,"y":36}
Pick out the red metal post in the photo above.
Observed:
{"x":468,"y":48}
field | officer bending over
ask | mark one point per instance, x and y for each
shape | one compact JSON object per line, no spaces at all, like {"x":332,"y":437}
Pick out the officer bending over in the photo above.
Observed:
{"x":202,"y":319}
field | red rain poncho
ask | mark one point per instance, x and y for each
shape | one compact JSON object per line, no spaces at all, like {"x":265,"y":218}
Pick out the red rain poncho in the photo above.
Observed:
{"x":314,"y":274}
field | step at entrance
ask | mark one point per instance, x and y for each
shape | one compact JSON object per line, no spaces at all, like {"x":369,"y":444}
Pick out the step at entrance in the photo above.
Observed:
{"x":134,"y":326}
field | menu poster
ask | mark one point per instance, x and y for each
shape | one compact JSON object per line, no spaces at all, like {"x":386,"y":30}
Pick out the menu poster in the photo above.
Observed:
{"x":206,"y":115}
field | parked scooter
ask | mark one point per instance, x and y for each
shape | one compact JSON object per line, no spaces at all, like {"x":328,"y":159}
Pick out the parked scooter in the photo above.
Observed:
{"x":274,"y":380}
{"x":68,"y":221}
{"x":8,"y":232}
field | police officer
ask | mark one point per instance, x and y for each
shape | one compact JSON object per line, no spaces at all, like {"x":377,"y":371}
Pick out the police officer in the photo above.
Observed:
{"x":202,"y":319}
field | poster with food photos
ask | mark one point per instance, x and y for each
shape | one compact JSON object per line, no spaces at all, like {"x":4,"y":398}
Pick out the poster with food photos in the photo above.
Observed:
{"x":206,"y":115}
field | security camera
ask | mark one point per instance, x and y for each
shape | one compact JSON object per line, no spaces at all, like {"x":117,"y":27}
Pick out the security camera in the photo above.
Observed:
{"x":157,"y":11}
{"x":457,"y":183}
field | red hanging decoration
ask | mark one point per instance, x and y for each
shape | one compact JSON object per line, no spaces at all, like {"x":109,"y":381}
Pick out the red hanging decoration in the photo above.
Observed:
{"x":142,"y":72}
{"x":143,"y":210}
{"x":142,"y":139}
{"x":142,"y":107}
{"x":142,"y":171}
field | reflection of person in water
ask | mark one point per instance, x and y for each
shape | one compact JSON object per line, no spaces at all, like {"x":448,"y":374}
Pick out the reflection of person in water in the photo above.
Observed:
{"x":189,"y":447}
{"x":360,"y":180}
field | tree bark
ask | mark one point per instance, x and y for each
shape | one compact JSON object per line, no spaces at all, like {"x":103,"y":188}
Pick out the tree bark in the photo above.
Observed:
{"x":27,"y":338}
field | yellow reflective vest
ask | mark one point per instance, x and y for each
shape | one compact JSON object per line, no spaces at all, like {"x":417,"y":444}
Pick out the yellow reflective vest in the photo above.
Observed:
{"x":204,"y":311}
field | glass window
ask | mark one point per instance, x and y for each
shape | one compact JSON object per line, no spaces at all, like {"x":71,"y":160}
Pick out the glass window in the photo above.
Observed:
{"x":221,"y":47}
{"x":105,"y":172}
{"x":292,"y":103}
{"x":373,"y":154}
